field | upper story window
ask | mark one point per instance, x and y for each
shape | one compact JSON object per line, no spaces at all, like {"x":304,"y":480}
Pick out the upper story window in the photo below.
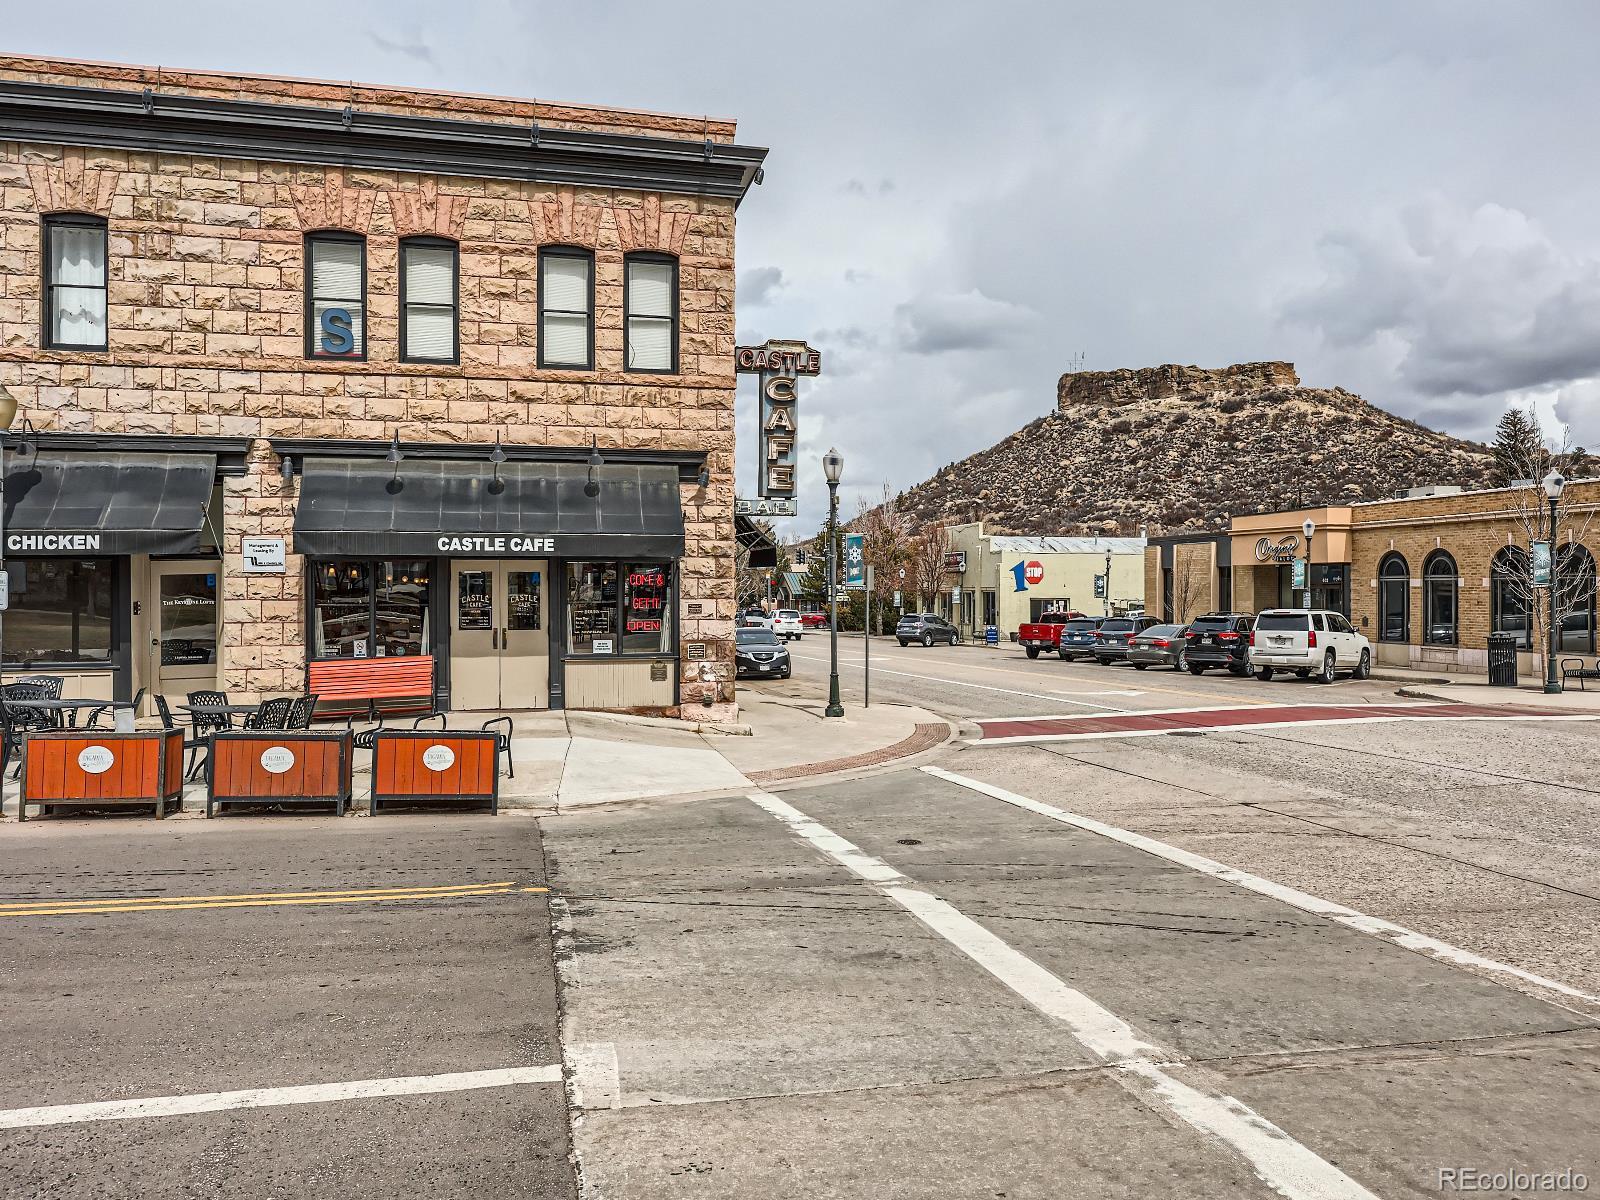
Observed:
{"x":566,"y":307}
{"x":650,"y":304}
{"x":75,"y":282}
{"x":429,"y":309}
{"x":336,"y":295}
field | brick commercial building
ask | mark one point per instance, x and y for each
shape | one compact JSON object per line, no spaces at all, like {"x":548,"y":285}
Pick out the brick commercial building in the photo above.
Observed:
{"x":323,"y":372}
{"x":1426,"y":577}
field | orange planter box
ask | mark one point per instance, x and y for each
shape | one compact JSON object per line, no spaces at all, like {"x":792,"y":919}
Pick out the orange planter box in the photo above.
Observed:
{"x":74,"y":768}
{"x":431,"y":764}
{"x":279,"y":767}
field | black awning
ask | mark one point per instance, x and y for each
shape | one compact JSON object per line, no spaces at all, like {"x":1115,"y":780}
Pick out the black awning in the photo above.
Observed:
{"x":362,"y":508}
{"x":106,"y":502}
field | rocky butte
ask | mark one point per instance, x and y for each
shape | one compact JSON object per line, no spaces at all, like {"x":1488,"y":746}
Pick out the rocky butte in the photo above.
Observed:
{"x":1175,"y":448}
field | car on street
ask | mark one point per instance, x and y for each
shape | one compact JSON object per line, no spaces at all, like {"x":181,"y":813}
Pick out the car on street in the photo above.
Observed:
{"x":1035,"y":637}
{"x":926,"y":628}
{"x":786,"y":624}
{"x":1078,"y":638}
{"x":1158,"y":646}
{"x":753,"y":618}
{"x":814,"y":620}
{"x":759,"y":654}
{"x":1308,"y":642}
{"x":1112,"y":638}
{"x":1219,"y":639}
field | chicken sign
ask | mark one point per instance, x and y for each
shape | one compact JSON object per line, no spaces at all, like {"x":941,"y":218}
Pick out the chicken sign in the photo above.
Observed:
{"x":779,"y":366}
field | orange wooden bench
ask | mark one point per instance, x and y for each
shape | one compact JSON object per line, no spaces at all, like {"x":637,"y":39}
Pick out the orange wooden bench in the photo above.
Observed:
{"x":346,"y":685}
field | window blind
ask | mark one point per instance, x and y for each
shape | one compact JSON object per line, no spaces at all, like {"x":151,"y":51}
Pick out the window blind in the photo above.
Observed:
{"x":566,"y":339}
{"x":649,"y":344}
{"x":566,"y":284}
{"x":430,"y":273}
{"x":336,"y":270}
{"x":77,"y":285}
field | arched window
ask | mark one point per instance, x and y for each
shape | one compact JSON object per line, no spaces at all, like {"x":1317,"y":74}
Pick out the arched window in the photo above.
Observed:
{"x":1440,"y":616}
{"x":1575,"y":600}
{"x":1394,"y":599}
{"x":1510,"y":593}
{"x":336,"y":295}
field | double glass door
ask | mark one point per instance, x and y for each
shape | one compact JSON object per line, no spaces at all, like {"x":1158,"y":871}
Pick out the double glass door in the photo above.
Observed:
{"x":500,"y":634}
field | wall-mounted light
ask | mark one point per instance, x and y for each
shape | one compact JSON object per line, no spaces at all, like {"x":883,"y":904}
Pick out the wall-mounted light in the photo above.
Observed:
{"x":393,"y":458}
{"x":497,"y":456}
{"x":286,"y":466}
{"x":704,"y":478}
{"x":24,"y":446}
{"x":591,"y":489}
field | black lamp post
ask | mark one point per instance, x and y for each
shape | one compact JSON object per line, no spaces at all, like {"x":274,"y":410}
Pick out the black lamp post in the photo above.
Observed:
{"x":832,"y":468}
{"x":1554,"y":484}
{"x":1309,"y":528}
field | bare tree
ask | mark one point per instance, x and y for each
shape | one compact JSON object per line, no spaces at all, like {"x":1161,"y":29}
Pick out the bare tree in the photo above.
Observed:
{"x":885,"y":544}
{"x":1189,"y":584}
{"x":1573,"y":572}
{"x":930,"y":553}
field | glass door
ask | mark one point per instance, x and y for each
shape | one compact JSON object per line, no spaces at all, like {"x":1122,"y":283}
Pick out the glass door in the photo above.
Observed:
{"x":475,"y":635}
{"x":525,"y":636}
{"x":183,"y":626}
{"x":500,"y":639}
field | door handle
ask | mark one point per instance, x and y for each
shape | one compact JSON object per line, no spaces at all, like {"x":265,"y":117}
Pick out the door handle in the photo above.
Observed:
{"x":494,"y":636}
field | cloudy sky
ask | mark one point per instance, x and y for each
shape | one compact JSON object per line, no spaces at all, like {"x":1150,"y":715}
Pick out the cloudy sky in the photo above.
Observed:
{"x":960,"y":198}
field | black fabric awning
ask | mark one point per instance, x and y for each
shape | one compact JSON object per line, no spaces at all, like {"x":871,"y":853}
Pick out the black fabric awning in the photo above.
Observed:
{"x":359,"y":508}
{"x":106,"y":502}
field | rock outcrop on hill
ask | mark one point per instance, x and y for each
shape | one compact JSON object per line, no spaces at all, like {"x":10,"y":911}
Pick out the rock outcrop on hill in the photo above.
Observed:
{"x":1176,"y":448}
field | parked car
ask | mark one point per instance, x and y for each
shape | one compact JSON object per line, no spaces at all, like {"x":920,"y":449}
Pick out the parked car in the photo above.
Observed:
{"x":753,"y":618}
{"x":814,"y":620}
{"x":758,"y":654}
{"x":786,"y":624}
{"x":1078,"y":638}
{"x":1045,"y":633}
{"x":1219,"y":640}
{"x":926,"y":628}
{"x":1158,"y":646}
{"x":1112,"y":638}
{"x":1317,"y":641}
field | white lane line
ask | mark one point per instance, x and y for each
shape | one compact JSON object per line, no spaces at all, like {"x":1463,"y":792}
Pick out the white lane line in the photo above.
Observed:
{"x":316,"y":1093}
{"x":1147,"y":1070}
{"x":1053,"y":697}
{"x":1377,"y":926}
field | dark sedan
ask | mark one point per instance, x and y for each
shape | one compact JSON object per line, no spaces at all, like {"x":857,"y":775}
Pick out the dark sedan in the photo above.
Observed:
{"x":1115,"y":634}
{"x":759,"y":654}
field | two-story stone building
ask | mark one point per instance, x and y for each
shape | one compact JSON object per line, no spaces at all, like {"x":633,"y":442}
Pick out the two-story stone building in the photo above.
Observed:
{"x":312,"y":372}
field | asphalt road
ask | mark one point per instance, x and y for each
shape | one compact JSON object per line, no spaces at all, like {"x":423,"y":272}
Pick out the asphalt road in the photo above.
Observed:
{"x":186,"y":958}
{"x":1333,"y":960}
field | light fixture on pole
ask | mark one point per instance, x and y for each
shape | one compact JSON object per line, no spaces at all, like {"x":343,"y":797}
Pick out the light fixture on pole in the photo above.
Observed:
{"x":832,"y":468}
{"x":1554,"y":485}
{"x":393,"y":458}
{"x":1308,"y":527}
{"x":591,"y":489}
{"x":497,"y":456}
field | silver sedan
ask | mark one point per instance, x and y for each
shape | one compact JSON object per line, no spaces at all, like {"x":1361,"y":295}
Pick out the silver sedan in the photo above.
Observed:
{"x":1158,"y":646}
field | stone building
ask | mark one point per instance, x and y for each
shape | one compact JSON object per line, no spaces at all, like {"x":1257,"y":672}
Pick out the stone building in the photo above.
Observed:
{"x":315,"y":372}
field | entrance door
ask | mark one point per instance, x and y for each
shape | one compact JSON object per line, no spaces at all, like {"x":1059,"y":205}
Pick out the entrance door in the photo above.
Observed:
{"x":500,"y":643}
{"x":183,"y":626}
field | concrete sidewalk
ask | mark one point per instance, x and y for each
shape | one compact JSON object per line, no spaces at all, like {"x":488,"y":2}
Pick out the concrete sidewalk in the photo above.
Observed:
{"x":1475,"y":689}
{"x":570,"y":760}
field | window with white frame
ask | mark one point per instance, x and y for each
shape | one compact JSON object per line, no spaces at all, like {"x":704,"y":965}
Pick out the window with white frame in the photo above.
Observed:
{"x":75,"y":282}
{"x":429,"y":307}
{"x":336,"y":292}
{"x":650,"y":301}
{"x":566,"y":307}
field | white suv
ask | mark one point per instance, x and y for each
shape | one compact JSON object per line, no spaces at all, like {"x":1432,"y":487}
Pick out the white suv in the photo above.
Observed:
{"x":1308,"y":642}
{"x":787,"y":624}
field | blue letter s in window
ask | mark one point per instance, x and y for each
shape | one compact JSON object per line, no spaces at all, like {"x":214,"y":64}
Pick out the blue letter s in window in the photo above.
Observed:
{"x":337,"y":337}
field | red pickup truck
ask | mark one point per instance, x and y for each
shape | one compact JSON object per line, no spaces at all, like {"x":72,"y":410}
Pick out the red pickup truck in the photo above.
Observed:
{"x":1045,"y":633}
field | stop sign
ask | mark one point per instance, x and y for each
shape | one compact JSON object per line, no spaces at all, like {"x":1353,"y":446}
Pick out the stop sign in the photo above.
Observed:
{"x":1034,"y":572}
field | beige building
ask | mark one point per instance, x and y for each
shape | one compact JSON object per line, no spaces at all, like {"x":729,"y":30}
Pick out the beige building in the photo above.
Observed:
{"x":312,"y":373}
{"x":997,"y":579}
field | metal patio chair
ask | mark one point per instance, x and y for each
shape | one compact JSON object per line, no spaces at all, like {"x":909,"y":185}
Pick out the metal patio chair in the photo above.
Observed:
{"x":270,"y":714}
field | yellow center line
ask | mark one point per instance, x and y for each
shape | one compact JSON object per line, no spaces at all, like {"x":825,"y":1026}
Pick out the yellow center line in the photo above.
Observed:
{"x":85,"y":909}
{"x":20,"y":906}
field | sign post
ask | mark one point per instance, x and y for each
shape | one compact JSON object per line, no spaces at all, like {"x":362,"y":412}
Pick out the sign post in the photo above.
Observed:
{"x":866,"y":647}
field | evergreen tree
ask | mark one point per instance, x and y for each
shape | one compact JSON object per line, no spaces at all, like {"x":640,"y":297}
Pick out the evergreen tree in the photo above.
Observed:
{"x":1519,"y":450}
{"x":816,"y":585}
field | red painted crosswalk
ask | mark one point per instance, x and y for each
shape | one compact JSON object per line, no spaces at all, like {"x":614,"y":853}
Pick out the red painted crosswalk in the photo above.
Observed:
{"x":1144,"y":724}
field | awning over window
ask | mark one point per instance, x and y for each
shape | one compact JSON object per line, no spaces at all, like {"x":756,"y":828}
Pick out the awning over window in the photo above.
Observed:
{"x":83,"y":503}
{"x":363,"y":508}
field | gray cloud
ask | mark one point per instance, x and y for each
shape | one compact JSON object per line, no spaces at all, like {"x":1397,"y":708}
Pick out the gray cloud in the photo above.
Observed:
{"x":416,"y":49}
{"x":938,"y":324}
{"x":758,"y":285}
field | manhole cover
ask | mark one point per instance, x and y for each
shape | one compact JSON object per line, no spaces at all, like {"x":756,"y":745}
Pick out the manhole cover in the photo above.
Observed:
{"x":1189,"y":733}
{"x":908,"y":841}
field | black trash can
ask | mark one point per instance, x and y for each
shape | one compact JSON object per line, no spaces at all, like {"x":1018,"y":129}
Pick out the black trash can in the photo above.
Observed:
{"x":1502,"y":660}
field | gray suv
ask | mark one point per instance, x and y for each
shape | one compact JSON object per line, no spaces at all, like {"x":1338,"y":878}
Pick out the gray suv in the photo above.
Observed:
{"x":927,"y":629}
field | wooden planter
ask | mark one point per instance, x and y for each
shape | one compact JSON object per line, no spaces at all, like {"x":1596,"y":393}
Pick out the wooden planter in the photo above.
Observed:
{"x":72,"y":768}
{"x":264,"y":766}
{"x":428,"y":764}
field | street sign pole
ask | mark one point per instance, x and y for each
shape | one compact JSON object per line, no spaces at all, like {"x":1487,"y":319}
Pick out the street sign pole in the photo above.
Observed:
{"x":866,"y":649}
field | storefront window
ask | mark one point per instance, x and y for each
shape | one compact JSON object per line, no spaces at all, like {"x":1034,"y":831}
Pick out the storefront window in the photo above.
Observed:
{"x":366,"y":609}
{"x":647,"y":609}
{"x":1394,"y":599}
{"x":592,"y":608}
{"x":1510,"y":586}
{"x":188,"y":619}
{"x":1576,"y":574}
{"x":59,"y":611}
{"x":522,"y":601}
{"x":1439,"y":587}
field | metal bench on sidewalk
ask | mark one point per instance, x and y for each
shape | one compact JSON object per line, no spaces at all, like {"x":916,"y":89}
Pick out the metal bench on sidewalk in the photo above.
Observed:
{"x":1573,"y":668}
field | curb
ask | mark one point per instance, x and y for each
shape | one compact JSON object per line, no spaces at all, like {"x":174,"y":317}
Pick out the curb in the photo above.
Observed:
{"x":731,"y":729}
{"x":1425,"y":680}
{"x":928,"y":736}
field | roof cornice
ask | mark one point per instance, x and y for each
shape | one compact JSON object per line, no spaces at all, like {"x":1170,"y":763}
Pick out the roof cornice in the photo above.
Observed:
{"x":162,"y":122}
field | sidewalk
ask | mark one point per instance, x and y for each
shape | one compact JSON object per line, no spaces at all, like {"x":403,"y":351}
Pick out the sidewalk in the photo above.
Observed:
{"x":566,"y":760}
{"x":1475,"y":689}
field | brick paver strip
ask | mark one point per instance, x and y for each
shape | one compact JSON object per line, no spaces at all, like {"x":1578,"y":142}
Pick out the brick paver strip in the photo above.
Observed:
{"x":926,"y":737}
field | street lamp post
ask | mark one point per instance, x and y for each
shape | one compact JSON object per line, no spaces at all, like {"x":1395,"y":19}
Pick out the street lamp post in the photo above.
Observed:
{"x":8,"y":414}
{"x":1554,"y":484}
{"x":832,"y":468}
{"x":1308,"y":527}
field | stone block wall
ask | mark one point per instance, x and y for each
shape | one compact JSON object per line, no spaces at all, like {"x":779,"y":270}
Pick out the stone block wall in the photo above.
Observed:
{"x":206,"y":310}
